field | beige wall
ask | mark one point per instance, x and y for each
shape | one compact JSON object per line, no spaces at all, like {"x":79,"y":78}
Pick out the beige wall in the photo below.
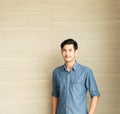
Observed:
{"x":30,"y":34}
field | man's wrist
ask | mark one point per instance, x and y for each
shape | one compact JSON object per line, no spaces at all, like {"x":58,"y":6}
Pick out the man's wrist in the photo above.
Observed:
{"x":90,"y":113}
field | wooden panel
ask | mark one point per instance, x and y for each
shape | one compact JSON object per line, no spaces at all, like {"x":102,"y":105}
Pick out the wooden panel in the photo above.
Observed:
{"x":30,"y":35}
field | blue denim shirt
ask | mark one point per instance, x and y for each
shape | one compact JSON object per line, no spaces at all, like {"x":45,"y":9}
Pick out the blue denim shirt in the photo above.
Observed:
{"x":71,"y":88}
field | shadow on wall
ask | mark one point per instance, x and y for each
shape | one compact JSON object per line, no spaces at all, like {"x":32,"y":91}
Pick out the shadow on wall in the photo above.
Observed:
{"x":54,"y":60}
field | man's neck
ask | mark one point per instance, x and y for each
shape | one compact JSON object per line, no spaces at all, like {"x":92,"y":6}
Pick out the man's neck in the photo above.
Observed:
{"x":69,"y":65}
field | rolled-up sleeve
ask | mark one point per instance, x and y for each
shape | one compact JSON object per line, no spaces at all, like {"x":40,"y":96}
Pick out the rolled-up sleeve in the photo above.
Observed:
{"x":54,"y":85}
{"x":91,"y":84}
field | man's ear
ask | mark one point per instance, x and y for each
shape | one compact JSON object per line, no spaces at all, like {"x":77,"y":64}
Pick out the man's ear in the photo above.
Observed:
{"x":76,"y":52}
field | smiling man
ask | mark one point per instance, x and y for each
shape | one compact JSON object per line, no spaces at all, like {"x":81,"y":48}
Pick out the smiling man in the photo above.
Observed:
{"x":71,"y":82}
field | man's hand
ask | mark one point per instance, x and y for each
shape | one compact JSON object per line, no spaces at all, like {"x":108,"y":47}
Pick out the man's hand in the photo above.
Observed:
{"x":93,"y":104}
{"x":54,"y":104}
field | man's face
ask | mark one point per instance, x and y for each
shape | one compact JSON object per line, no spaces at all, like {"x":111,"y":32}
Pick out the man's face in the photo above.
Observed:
{"x":68,"y":52}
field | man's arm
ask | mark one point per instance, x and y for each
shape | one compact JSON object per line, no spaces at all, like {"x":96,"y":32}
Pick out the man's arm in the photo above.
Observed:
{"x":93,"y":104}
{"x":54,"y":104}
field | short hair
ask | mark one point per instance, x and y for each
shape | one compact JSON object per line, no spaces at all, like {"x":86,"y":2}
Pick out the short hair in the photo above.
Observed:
{"x":69,"y":41}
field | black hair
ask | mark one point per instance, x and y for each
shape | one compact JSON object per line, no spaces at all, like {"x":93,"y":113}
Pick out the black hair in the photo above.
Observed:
{"x":69,"y":41}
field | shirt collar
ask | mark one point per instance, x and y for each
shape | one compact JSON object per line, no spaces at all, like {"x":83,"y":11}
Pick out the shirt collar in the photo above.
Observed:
{"x":74,"y":66}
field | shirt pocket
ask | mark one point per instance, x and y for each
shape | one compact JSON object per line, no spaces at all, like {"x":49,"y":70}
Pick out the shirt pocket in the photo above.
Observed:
{"x":77,"y":86}
{"x":77,"y":81}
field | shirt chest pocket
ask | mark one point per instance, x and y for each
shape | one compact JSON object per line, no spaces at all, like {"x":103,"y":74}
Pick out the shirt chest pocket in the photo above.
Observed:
{"x":77,"y":81}
{"x":77,"y":86}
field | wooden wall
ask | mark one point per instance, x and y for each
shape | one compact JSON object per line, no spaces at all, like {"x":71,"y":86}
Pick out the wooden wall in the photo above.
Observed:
{"x":30,"y":34}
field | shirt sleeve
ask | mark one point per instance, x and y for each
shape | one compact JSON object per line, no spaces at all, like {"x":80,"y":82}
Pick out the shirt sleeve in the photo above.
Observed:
{"x":54,"y":85}
{"x":91,"y":84}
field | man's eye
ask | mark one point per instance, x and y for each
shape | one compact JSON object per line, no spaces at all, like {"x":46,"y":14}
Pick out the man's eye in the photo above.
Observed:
{"x":63,"y":50}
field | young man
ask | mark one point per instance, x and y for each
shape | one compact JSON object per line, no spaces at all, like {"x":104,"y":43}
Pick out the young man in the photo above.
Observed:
{"x":71,"y":82}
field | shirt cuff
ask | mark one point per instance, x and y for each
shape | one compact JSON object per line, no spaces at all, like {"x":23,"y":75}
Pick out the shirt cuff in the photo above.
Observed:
{"x":95,"y":93}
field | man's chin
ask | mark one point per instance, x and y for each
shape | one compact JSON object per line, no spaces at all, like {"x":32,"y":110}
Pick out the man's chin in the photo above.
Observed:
{"x":67,"y":61}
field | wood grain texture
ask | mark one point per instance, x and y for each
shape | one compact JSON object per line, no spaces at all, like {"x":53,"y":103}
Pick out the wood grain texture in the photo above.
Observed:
{"x":30,"y":34}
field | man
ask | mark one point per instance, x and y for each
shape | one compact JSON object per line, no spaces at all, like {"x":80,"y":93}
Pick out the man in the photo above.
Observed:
{"x":71,"y":82}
